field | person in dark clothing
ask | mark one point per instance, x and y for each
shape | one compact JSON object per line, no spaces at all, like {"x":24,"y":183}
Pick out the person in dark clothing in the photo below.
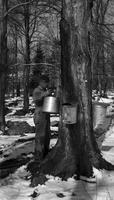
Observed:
{"x":41,"y":119}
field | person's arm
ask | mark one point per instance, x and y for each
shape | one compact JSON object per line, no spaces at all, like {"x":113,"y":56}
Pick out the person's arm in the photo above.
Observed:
{"x":38,"y":96}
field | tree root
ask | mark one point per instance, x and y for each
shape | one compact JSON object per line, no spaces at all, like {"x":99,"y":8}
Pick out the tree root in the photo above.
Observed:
{"x":100,"y":163}
{"x":104,"y":164}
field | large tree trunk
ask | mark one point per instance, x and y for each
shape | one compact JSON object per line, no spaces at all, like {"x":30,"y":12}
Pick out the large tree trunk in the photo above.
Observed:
{"x":27,"y":60}
{"x":76,"y":151}
{"x":3,"y":61}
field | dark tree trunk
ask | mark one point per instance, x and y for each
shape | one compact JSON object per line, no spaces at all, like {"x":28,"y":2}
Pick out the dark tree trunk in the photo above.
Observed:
{"x":18,"y":88}
{"x":2,"y":102}
{"x":13,"y":83}
{"x":76,"y":151}
{"x":17,"y":81}
{"x":3,"y":61}
{"x":27,"y":60}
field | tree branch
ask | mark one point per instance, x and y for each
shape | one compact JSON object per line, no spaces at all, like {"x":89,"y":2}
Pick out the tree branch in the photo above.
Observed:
{"x":16,"y":6}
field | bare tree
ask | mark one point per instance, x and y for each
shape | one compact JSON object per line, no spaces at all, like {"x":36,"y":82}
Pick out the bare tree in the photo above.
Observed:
{"x":100,"y":38}
{"x":27,"y":57}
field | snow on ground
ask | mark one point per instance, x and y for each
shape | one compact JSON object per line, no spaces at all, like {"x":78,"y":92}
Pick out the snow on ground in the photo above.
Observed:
{"x":105,"y":100}
{"x":16,"y":148}
{"x":28,"y":118}
{"x":17,"y":187}
{"x":10,"y":116}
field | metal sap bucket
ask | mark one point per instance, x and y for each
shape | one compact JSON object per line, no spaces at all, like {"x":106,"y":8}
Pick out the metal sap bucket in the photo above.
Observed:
{"x":69,"y":114}
{"x":99,"y":115}
{"x":50,"y":105}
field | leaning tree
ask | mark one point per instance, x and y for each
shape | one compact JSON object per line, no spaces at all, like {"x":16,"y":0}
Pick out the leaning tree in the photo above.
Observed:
{"x":76,"y":151}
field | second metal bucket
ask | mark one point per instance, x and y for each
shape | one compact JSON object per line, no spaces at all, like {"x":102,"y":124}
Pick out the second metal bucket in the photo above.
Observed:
{"x":99,"y":115}
{"x":50,"y":105}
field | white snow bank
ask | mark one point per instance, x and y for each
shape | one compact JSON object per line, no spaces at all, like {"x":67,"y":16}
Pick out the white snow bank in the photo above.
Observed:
{"x":16,"y":187}
{"x":12,"y":148}
{"x":106,"y":100}
{"x":28,"y":119}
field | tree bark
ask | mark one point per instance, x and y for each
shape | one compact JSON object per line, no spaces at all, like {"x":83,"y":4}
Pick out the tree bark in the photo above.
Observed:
{"x":17,"y":81}
{"x":3,"y":61}
{"x":27,"y":60}
{"x":76,"y":151}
